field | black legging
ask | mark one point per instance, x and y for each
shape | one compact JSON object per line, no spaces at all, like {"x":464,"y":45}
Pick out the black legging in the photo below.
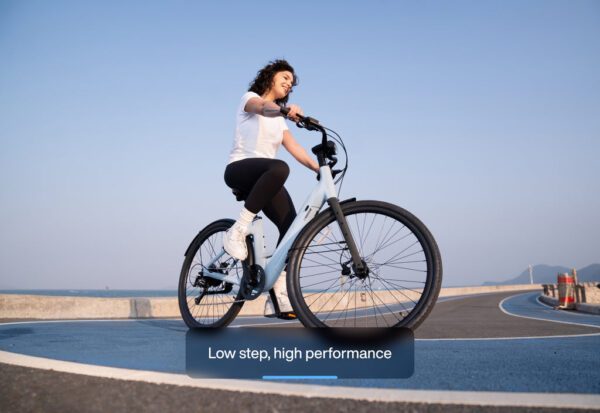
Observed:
{"x":261,"y":182}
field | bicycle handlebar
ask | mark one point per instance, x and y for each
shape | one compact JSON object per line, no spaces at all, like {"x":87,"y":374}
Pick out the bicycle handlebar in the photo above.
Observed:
{"x":284,"y":111}
{"x":304,"y":121}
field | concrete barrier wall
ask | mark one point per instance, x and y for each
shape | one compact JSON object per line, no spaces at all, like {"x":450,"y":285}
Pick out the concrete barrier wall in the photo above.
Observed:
{"x":589,"y":292}
{"x":454,"y":291}
{"x":53,"y":307}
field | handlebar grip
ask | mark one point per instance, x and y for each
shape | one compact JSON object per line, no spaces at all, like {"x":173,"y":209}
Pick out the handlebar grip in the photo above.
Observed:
{"x":303,"y":121}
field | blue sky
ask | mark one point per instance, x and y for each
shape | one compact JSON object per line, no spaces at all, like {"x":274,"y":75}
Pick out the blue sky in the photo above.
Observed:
{"x":116,"y":120}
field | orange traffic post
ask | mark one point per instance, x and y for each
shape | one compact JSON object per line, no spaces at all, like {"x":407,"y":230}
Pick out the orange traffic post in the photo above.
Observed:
{"x":566,"y":291}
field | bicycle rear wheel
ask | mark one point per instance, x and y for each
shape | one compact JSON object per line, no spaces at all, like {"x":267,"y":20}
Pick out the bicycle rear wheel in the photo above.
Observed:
{"x":206,"y":302}
{"x":404,"y":278}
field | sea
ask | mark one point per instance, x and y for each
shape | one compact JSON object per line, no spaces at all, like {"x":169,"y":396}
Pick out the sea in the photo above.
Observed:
{"x":96,"y":293}
{"x":100,"y":293}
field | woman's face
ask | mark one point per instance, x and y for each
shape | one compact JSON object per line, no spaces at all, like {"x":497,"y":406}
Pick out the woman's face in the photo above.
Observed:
{"x":282,"y":84}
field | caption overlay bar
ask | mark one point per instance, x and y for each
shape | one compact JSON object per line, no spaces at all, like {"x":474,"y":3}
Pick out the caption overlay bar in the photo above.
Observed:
{"x":300,"y":353}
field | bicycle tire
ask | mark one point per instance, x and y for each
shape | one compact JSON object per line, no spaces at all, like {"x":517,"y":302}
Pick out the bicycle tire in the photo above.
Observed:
{"x":374,"y":288}
{"x":218,"y":309}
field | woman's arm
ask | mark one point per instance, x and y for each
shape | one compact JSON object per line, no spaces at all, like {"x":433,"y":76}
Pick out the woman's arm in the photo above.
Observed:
{"x":270,"y":109}
{"x":262,"y":107}
{"x":298,"y":152}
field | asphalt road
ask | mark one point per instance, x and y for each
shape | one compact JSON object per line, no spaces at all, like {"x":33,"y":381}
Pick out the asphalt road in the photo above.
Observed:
{"x":465,"y":344}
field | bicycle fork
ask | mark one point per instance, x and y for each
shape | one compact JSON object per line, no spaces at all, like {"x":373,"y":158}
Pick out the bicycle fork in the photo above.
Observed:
{"x":358,"y":265}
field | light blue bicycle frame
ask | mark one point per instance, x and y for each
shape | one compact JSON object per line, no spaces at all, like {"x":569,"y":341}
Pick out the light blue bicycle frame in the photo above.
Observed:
{"x":273,"y":265}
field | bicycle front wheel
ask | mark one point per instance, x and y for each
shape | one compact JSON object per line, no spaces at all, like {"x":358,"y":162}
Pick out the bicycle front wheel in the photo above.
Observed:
{"x":204,"y":301}
{"x":402,"y":283}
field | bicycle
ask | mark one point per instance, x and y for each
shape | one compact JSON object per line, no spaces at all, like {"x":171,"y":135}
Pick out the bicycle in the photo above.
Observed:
{"x":341,"y":268}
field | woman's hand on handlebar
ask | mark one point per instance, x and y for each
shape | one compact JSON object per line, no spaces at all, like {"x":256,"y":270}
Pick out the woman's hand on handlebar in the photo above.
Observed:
{"x":293,"y":112}
{"x":301,"y":120}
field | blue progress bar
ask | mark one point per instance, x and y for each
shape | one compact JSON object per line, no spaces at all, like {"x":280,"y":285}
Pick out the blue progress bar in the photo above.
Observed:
{"x":299,"y":377}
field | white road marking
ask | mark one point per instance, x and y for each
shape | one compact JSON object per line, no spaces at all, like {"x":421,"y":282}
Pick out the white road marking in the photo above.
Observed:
{"x":505,"y":311}
{"x":508,"y":338}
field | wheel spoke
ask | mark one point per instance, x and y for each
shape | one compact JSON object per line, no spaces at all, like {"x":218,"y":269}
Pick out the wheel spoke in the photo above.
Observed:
{"x":215,"y":307}
{"x":395,"y":257}
{"x":336,"y":304}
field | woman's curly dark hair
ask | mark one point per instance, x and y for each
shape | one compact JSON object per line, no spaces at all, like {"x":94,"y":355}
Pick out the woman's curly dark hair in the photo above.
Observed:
{"x":264,"y":78}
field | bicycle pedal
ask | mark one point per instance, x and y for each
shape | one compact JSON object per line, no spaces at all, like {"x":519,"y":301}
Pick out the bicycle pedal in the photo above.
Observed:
{"x":288,"y":315}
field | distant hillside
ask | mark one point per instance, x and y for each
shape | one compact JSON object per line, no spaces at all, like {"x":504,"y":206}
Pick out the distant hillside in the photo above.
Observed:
{"x":589,"y":273}
{"x":546,"y":274}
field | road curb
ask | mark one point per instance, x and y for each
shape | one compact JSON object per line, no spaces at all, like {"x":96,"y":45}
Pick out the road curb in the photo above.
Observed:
{"x":588,"y":308}
{"x":581,"y":307}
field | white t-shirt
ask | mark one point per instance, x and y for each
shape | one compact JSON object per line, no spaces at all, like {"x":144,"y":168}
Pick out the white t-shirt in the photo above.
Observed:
{"x":256,"y":136}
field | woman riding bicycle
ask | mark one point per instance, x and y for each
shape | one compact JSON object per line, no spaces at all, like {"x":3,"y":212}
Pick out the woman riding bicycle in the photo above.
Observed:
{"x":253,"y":170}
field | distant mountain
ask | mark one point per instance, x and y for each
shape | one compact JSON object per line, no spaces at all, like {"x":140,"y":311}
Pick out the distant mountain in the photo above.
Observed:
{"x":546,"y":274}
{"x":589,"y":273}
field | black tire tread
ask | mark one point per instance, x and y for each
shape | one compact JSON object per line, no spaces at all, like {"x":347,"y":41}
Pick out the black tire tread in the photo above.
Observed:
{"x":188,"y":318}
{"x":431,"y":294}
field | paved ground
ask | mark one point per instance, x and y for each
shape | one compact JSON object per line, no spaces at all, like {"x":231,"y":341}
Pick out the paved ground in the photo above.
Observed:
{"x":29,"y":390}
{"x":480,"y":317}
{"x":442,"y":362}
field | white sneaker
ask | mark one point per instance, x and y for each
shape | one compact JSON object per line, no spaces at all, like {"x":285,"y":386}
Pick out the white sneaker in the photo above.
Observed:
{"x":285,"y":307}
{"x":234,"y":242}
